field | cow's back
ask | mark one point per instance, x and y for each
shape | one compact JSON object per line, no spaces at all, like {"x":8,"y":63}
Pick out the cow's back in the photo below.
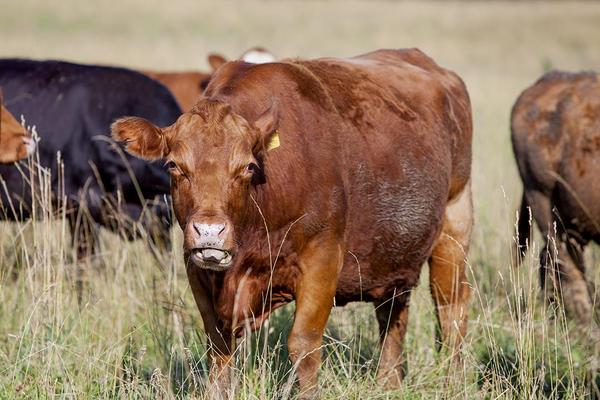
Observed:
{"x":72,"y":107}
{"x":397,"y":93}
{"x":536,"y":135}
{"x":556,"y":141}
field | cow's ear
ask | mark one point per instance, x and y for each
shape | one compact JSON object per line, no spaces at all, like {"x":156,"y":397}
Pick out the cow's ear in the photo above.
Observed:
{"x":216,"y":60}
{"x":267,"y":125}
{"x":141,"y":137}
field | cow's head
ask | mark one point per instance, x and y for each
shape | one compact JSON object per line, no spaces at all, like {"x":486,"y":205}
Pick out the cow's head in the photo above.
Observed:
{"x":214,"y":157}
{"x":15,"y":141}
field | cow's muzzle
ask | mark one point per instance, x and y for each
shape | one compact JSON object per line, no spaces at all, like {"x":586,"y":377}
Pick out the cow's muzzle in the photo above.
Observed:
{"x":209,"y":250}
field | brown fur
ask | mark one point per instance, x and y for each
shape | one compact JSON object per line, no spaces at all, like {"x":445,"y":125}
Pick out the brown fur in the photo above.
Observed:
{"x":371,"y":180}
{"x":187,"y":86}
{"x":15,"y":142}
{"x":556,"y":140}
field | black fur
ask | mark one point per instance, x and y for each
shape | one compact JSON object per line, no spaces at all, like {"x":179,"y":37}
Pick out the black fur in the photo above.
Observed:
{"x":72,"y":107}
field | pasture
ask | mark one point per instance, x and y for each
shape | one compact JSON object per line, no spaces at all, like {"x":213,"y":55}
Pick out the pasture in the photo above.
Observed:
{"x":137,"y":332}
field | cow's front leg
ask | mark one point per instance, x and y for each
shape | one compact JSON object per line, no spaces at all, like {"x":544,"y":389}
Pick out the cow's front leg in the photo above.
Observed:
{"x":220,"y":342}
{"x":320,"y":264}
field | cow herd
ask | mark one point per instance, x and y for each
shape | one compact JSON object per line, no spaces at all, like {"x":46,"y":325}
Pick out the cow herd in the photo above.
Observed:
{"x":320,"y":181}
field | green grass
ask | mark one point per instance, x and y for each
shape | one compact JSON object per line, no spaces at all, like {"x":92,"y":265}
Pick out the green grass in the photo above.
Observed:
{"x":138,"y":334}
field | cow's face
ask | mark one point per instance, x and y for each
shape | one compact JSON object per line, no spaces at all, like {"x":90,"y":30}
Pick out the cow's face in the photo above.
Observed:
{"x":15,"y":142}
{"x":213,"y":157}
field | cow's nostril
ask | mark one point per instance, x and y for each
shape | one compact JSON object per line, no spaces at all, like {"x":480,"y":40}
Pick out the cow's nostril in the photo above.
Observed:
{"x":197,"y":228}
{"x":209,"y":235}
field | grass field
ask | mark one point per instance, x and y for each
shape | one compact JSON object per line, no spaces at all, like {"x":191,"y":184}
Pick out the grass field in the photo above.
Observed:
{"x":138,"y":333}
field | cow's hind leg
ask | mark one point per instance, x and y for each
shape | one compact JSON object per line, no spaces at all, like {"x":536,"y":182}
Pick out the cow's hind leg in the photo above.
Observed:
{"x":562,"y":274}
{"x":447,"y":277}
{"x":392,"y":317}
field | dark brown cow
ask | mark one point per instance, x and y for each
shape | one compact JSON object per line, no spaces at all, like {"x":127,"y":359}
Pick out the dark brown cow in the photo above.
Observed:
{"x":556,"y":139}
{"x":321,"y":181}
{"x":15,"y":141}
{"x":187,"y":86}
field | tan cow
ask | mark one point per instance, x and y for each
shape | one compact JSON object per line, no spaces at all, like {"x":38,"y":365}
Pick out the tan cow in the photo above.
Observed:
{"x":15,"y":141}
{"x":321,"y":181}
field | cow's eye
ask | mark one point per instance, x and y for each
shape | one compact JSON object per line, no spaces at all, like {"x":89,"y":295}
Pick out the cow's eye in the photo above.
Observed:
{"x":172,"y":167}
{"x":252,"y":167}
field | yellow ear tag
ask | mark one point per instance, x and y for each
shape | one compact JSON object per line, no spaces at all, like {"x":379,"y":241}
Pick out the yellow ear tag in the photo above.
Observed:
{"x":274,"y":142}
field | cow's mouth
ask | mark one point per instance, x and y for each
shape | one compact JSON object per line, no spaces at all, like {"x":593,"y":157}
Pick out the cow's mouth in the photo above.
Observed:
{"x":210,"y":258}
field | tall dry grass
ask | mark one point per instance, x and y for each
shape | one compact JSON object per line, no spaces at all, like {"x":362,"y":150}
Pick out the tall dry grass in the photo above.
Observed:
{"x":136,"y":332}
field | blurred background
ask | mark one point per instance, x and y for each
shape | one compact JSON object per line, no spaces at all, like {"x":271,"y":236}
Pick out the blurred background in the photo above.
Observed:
{"x":498,"y":48}
{"x":140,"y":318}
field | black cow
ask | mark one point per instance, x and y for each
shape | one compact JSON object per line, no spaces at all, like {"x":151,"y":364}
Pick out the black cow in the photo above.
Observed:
{"x":72,"y":107}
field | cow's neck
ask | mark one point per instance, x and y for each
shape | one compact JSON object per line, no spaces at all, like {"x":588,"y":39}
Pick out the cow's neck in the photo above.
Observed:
{"x":265,"y":270}
{"x":263,"y":279}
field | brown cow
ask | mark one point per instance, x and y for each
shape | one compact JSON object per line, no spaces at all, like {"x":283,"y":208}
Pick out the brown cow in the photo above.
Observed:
{"x":321,"y":181}
{"x":15,"y":141}
{"x":187,"y":86}
{"x":556,"y":139}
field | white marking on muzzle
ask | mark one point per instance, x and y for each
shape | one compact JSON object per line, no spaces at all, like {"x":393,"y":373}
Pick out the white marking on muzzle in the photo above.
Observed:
{"x":209,"y":235}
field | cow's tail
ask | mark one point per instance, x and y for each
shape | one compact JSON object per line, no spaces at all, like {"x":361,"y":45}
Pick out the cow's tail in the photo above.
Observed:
{"x":522,"y":234}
